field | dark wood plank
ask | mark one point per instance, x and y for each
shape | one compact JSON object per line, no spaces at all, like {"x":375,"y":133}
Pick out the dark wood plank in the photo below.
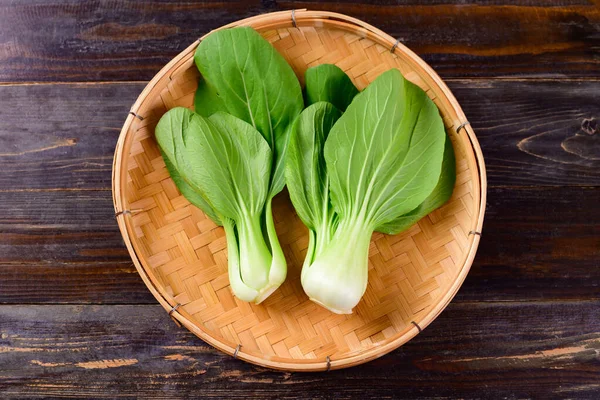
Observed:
{"x":538,"y":243}
{"x":61,"y":136}
{"x":60,"y":226}
{"x":122,"y":40}
{"x":535,"y":133}
{"x":531,"y":133}
{"x":472,"y":350}
{"x":64,"y":246}
{"x":55,"y":281}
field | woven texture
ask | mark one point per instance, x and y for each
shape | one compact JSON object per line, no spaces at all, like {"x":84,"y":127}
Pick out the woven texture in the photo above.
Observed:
{"x":186,"y":253}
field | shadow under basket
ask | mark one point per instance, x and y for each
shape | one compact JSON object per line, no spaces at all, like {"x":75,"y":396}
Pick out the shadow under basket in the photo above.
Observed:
{"x":181,"y":255}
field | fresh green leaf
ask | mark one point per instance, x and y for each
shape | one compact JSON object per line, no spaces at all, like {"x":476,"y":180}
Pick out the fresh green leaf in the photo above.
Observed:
{"x":189,"y":193}
{"x":384,"y":155}
{"x":206,"y":100}
{"x":222,"y":157}
{"x":327,"y":82}
{"x":254,"y":83}
{"x":174,"y":125}
{"x":440,"y":195}
{"x":306,"y":175}
{"x":235,"y":166}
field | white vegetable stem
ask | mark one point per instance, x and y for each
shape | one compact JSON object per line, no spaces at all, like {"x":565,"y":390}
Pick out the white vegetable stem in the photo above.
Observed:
{"x":337,"y":278}
{"x":254,"y":272}
{"x":255,"y":258}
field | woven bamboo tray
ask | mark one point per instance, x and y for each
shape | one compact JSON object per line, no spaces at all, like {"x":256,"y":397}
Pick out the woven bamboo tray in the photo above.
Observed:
{"x":181,"y":255}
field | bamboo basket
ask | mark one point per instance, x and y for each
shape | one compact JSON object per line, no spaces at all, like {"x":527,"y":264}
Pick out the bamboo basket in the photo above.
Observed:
{"x":181,"y":255}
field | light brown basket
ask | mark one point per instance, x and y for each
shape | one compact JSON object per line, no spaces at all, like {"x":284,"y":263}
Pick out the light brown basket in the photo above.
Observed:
{"x":181,"y":255}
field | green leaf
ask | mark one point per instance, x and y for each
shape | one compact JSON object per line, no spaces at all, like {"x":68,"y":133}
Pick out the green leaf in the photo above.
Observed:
{"x":327,"y":82}
{"x":255,"y":84}
{"x":223,"y":158}
{"x":206,"y":100}
{"x":237,"y":163}
{"x":440,"y":195}
{"x":190,"y":193}
{"x":174,"y":125}
{"x":305,"y":172}
{"x":384,"y":155}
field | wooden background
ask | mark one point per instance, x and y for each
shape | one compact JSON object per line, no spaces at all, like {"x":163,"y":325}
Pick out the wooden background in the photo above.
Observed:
{"x":76,"y":319}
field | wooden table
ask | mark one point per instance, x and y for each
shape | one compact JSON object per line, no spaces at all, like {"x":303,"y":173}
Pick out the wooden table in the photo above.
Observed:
{"x":76,"y":319}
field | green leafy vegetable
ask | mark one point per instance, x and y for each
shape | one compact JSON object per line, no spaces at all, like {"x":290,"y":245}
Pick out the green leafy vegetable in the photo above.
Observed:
{"x":383,"y":158}
{"x":227,"y":163}
{"x":306,"y":174}
{"x":327,"y":82}
{"x":246,"y":77}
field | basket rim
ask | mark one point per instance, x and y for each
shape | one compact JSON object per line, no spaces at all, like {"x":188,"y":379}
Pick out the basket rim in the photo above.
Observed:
{"x":303,"y":17}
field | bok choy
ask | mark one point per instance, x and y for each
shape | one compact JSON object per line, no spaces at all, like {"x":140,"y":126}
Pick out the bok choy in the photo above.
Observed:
{"x":227,"y":158}
{"x":226,"y":164}
{"x":379,"y":169}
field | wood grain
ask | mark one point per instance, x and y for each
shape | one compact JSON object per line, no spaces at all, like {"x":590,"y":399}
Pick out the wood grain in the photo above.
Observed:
{"x":61,"y":136}
{"x":524,"y":324}
{"x":535,"y":133}
{"x":78,"y":226}
{"x":531,"y":132}
{"x":121,"y":40}
{"x":471,"y":350}
{"x":56,"y":281}
{"x":537,"y":243}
